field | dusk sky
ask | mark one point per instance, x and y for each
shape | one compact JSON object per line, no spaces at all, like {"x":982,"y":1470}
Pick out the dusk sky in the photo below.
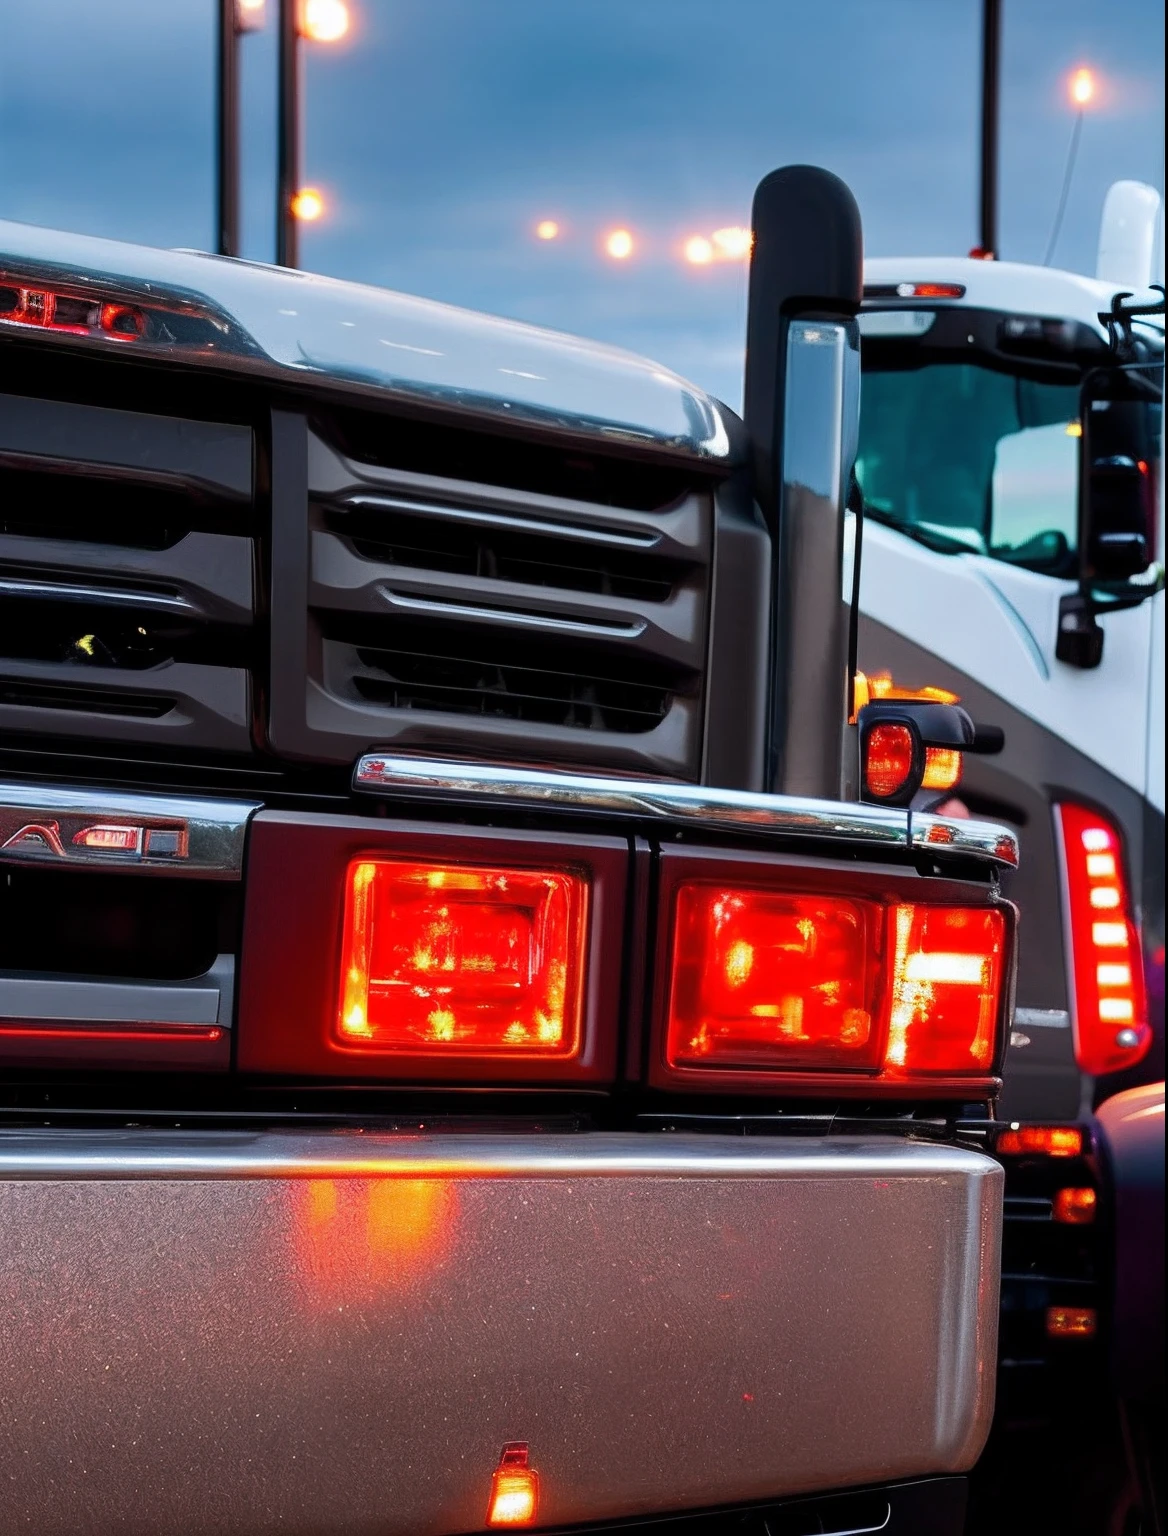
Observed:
{"x":440,"y":131}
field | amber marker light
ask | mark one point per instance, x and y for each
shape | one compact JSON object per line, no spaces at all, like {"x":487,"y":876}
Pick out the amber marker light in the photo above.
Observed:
{"x":1041,"y":1140}
{"x":619,"y":244}
{"x":1075,"y":1207}
{"x":1071,"y":1322}
{"x":514,"y":1489}
{"x":307,"y":205}
{"x":450,"y":960}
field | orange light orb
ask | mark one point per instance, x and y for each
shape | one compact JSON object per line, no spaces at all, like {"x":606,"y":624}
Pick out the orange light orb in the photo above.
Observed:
{"x":619,"y":244}
{"x":307,"y":205}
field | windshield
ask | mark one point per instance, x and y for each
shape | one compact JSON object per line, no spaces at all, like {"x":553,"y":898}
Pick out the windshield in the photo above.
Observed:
{"x":967,"y":457}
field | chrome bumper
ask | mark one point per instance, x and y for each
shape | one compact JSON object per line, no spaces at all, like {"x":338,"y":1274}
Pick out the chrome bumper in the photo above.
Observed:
{"x":338,"y":1332}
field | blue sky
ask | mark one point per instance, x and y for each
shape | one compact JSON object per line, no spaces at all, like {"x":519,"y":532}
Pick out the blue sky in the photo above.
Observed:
{"x":443,"y":129}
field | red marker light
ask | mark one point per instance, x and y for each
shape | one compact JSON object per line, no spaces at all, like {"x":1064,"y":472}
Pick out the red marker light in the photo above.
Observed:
{"x":889,"y":759}
{"x":1109,"y":1007}
{"x":1041,"y":1140}
{"x":444,"y":960}
{"x":1071,"y":1322}
{"x":930,"y":290}
{"x":1075,"y":1207}
{"x":514,"y":1489}
{"x":110,"y":839}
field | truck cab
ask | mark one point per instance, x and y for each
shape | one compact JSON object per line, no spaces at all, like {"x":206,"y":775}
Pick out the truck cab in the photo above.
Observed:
{"x":468,"y":1058}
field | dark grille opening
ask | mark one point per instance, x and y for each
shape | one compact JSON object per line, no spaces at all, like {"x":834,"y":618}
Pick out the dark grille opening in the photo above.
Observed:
{"x":490,"y":679}
{"x":82,"y":636}
{"x":33,"y":694}
{"x":52,"y":504}
{"x":436,"y":545}
{"x":458,"y":454}
{"x":115,"y":924}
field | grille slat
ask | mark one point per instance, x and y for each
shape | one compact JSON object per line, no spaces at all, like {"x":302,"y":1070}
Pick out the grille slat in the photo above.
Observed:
{"x":434,"y":602}
{"x":127,"y":574}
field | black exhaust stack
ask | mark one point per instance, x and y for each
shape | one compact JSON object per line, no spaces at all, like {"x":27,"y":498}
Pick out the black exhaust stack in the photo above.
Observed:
{"x":802,"y":410}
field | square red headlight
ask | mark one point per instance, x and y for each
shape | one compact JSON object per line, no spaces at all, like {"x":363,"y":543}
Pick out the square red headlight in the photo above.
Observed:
{"x":440,"y":959}
{"x":773,"y":979}
{"x":763,"y":982}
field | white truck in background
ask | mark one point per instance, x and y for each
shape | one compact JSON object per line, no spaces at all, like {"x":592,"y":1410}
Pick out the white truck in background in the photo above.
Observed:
{"x":1018,"y":565}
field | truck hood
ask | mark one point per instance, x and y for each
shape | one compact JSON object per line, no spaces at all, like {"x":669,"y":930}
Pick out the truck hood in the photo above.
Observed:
{"x":303,"y":330}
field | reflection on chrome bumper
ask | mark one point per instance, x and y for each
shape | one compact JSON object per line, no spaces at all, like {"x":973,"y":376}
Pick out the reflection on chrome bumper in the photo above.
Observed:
{"x":325,"y":1333}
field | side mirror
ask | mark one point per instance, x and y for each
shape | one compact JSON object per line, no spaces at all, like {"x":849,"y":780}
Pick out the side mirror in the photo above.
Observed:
{"x":1116,"y":512}
{"x":1116,"y":517}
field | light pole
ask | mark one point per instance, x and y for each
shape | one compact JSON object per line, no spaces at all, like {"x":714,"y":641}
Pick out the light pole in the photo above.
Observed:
{"x":322,"y":21}
{"x":234,"y":17}
{"x":991,"y":56}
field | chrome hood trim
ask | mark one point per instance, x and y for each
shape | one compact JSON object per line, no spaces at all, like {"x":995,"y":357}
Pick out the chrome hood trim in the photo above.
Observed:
{"x":683,"y":805}
{"x":297,"y":328}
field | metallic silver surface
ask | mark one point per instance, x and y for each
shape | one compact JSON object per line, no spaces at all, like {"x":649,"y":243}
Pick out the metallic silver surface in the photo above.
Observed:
{"x":202,"y":1000}
{"x":810,"y":667}
{"x":316,"y":1334}
{"x":39,"y":821}
{"x":295,"y":327}
{"x":691,"y":805}
{"x":956,"y":837}
{"x":95,"y":596}
{"x":440,"y":608}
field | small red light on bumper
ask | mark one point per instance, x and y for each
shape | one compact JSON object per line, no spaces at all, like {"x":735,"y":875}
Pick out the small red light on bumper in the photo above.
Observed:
{"x":514,"y":1489}
{"x":449,"y":960}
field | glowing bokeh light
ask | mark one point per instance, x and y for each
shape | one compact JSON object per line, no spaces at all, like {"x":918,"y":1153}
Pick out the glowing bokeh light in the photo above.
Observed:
{"x":307,"y":205}
{"x":732,"y":243}
{"x":618,"y":243}
{"x":1082,"y":88}
{"x":698,"y":251}
{"x":324,"y":21}
{"x":547,"y":229}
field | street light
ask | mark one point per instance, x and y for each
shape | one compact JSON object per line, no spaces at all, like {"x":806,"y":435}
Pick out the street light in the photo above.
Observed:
{"x":321,"y":21}
{"x":1081,"y":90}
{"x":235,"y":18}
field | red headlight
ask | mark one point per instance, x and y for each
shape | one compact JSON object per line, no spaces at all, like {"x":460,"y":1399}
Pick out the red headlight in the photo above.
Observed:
{"x":771,"y":979}
{"x":763,"y":980}
{"x":442,"y":959}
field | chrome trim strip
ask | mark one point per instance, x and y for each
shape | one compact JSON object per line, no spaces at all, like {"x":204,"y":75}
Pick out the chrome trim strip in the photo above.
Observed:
{"x":691,"y":805}
{"x":518,"y":619}
{"x":816,"y":1314}
{"x":948,"y":837}
{"x":210,"y":833}
{"x":76,"y":592}
{"x":163,"y":1154}
{"x":204,"y":999}
{"x":1042,"y":1018}
{"x":486,"y":518}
